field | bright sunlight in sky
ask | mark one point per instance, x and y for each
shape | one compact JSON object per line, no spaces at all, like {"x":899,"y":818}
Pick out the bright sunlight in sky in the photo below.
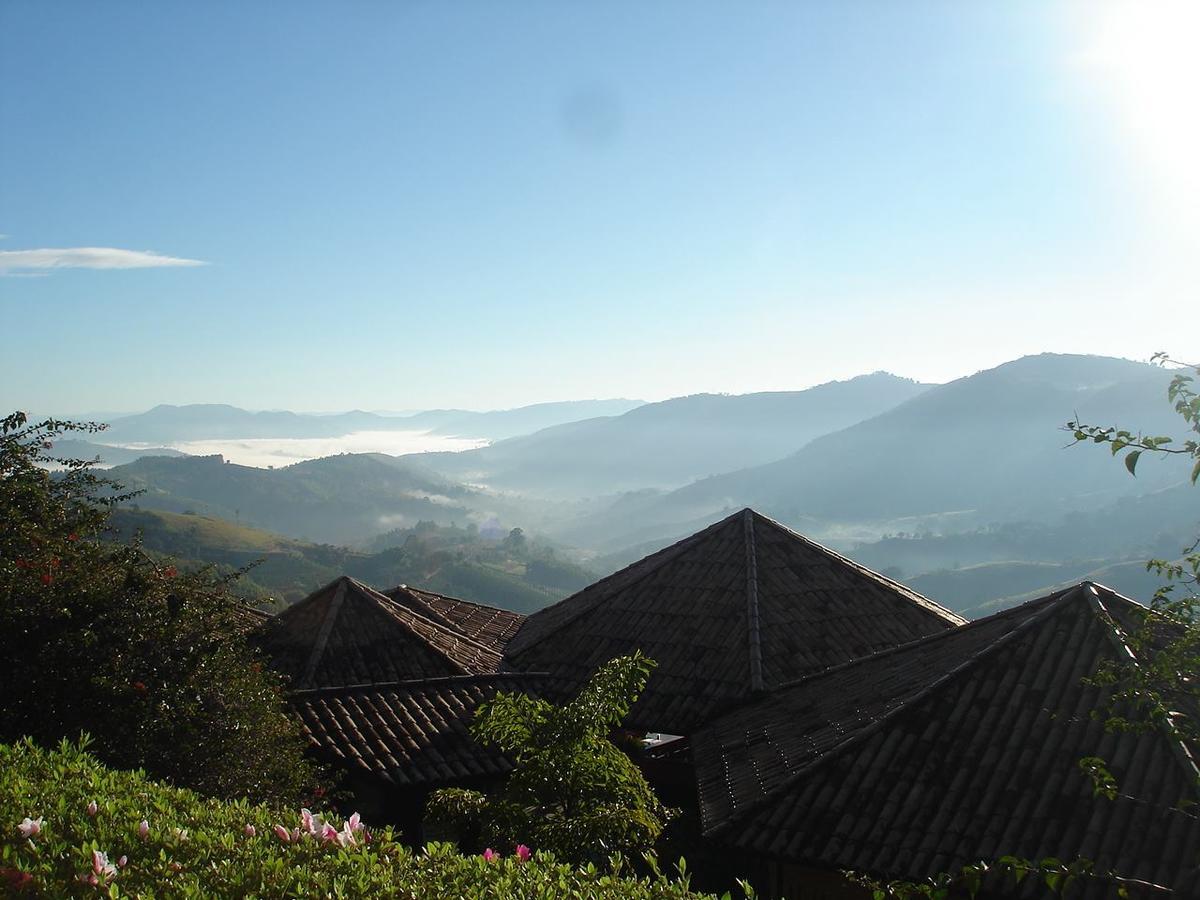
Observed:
{"x":484,"y":205}
{"x":1148,"y":55}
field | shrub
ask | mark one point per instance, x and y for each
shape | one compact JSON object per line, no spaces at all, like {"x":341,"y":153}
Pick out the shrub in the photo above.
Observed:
{"x":572,"y":791}
{"x":98,"y":638}
{"x":71,"y":827}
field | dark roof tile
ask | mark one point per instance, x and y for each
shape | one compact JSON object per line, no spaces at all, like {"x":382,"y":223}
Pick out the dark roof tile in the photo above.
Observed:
{"x":347,"y":633}
{"x":487,"y":625}
{"x":955,"y":748}
{"x":743,"y":606}
{"x":408,"y":733}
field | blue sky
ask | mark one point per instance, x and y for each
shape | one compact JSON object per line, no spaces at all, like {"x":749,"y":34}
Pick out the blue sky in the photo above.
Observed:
{"x":404,"y":205}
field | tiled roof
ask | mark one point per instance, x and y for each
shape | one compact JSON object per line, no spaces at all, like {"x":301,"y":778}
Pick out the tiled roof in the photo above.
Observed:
{"x":248,"y":618}
{"x":407,"y":733}
{"x":486,"y":625}
{"x":346,"y":633}
{"x":955,"y":748}
{"x":743,"y":606}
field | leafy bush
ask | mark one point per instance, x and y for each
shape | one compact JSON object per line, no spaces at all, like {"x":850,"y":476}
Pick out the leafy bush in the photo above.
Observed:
{"x":71,"y":827}
{"x":572,"y":791}
{"x":104,"y":639}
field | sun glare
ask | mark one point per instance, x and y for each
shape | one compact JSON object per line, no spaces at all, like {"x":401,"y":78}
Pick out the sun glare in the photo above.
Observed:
{"x":1146,"y":52}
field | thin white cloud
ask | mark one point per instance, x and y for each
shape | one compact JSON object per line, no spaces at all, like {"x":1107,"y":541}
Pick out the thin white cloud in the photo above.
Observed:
{"x":15,"y":261}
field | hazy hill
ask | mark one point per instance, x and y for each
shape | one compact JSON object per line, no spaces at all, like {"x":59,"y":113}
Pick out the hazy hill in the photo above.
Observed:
{"x":671,"y":443}
{"x":506,"y":423}
{"x":108,"y":455}
{"x":520,"y":574}
{"x":339,"y":499}
{"x":984,"y":448}
{"x":211,"y":421}
{"x":1128,"y":577}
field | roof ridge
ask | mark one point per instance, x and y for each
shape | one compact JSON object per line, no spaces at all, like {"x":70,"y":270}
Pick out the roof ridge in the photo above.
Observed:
{"x":433,"y":681}
{"x":859,"y":735}
{"x":971,"y":625}
{"x":419,"y":590}
{"x":919,"y":599}
{"x":650,"y":563}
{"x":1117,"y":635}
{"x":399,"y":612}
{"x":331,"y":614}
{"x":752,"y":621}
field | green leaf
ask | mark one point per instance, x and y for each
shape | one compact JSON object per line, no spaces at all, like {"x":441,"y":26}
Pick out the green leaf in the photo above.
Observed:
{"x":1131,"y":461}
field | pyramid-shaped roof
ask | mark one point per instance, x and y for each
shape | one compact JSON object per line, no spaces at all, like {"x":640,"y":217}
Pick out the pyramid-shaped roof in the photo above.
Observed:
{"x":956,"y":748}
{"x":487,"y":625}
{"x":347,"y":633}
{"x":743,"y":606}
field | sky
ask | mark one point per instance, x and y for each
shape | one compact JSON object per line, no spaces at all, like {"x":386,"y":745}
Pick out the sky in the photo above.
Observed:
{"x":403,"y":205}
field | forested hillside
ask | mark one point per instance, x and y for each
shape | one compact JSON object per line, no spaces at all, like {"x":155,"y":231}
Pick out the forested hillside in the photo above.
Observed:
{"x":339,"y":499}
{"x":499,"y":569}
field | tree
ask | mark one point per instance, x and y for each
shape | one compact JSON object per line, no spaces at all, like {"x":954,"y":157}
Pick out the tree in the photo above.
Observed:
{"x":572,"y":790}
{"x":1165,"y":679}
{"x":100,"y":638}
{"x":514,"y":541}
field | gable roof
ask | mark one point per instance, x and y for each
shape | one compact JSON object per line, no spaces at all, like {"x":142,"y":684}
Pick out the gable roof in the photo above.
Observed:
{"x":407,"y":733}
{"x":346,"y":633}
{"x":959,"y":747}
{"x":740,"y":607}
{"x":487,"y":625}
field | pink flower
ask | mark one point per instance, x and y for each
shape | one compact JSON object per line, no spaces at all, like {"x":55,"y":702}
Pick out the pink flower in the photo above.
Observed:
{"x":92,"y":809}
{"x":329,"y":834}
{"x":123,"y":861}
{"x":144,"y":829}
{"x":354,"y":823}
{"x":101,"y":865}
{"x":283,"y":834}
{"x":308,"y":821}
{"x":490,"y":855}
{"x":249,"y":830}
{"x":523,"y":853}
{"x":30,"y":827}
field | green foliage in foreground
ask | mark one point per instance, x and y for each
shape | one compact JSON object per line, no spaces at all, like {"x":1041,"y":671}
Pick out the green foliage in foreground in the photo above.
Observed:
{"x":193,"y":847}
{"x":572,"y":791}
{"x":152,"y":660}
{"x":1007,"y":873}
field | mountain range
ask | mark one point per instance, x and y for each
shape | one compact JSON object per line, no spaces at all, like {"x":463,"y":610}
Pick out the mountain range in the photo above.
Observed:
{"x":969,"y":488}
{"x":984,"y":448}
{"x":212,"y":421}
{"x":674,"y":442}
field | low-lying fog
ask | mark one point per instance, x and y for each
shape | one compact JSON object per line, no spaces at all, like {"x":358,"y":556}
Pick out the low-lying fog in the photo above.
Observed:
{"x":264,"y":452}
